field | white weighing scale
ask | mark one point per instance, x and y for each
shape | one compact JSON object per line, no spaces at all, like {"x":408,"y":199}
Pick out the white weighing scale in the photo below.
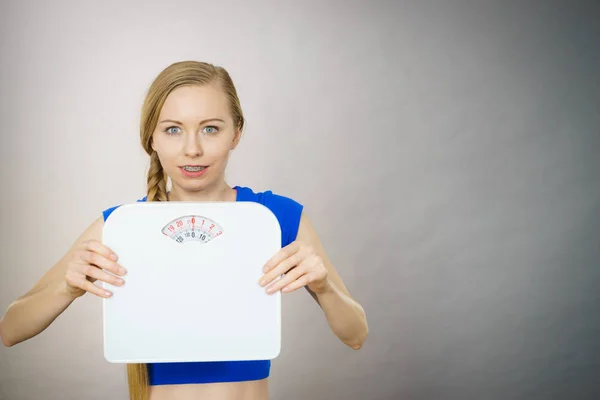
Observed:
{"x":191,"y":291}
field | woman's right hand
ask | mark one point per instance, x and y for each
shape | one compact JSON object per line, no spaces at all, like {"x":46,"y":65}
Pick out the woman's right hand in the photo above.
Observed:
{"x":90,"y":262}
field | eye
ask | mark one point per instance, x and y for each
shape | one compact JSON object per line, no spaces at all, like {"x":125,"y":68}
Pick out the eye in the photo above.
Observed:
{"x":169,"y":130}
{"x":210,"y":129}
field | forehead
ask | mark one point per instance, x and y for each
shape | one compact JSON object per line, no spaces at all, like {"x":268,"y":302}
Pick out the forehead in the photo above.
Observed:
{"x":189,"y":103}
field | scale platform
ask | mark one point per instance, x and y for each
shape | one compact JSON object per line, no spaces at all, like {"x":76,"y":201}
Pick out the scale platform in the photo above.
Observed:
{"x":191,"y":292}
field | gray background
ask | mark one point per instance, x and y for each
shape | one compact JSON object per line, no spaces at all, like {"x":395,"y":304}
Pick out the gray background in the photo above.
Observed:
{"x":447,"y":152}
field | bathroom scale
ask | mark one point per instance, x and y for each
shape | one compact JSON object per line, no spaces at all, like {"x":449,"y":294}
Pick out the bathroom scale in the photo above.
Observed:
{"x":191,"y":291}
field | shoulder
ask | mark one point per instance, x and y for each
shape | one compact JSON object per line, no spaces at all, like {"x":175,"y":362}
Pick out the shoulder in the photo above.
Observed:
{"x":106,"y":213}
{"x":287,"y":210}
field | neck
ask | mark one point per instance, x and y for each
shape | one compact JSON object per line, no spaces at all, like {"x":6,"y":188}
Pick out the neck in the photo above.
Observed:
{"x":220,"y":192}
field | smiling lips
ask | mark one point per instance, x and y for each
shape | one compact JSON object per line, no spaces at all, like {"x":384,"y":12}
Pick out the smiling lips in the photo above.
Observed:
{"x":193,"y":168}
{"x":193,"y":171}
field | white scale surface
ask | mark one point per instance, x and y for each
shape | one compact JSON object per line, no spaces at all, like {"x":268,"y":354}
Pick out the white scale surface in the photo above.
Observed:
{"x":191,"y":290}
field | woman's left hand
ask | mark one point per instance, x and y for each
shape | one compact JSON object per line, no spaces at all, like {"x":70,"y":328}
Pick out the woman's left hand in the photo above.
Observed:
{"x":301,"y":265}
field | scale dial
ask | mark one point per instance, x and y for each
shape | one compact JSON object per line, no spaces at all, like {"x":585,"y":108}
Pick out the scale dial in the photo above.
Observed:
{"x":192,"y":228}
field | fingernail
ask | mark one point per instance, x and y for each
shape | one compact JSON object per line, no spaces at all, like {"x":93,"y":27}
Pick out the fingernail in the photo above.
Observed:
{"x":107,"y":294}
{"x":123,"y":271}
{"x":113,"y":256}
{"x":265,"y":268}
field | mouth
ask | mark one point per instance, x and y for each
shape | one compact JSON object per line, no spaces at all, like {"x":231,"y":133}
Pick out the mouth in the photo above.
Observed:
{"x":193,"y":168}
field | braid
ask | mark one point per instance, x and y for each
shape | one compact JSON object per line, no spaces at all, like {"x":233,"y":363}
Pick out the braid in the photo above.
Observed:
{"x":137,"y":377}
{"x":137,"y":374}
{"x":157,"y":180}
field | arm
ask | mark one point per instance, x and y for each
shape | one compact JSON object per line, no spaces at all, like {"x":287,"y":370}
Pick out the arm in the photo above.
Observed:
{"x":305,"y":263}
{"x":33,"y":312}
{"x":345,"y":316}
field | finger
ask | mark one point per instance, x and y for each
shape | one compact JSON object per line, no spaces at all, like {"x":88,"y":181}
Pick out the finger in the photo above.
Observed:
{"x":283,"y":267}
{"x":307,"y":268}
{"x":98,"y":291}
{"x":281,"y":255}
{"x":290,"y":277}
{"x":91,"y":257}
{"x":79,"y":281}
{"x":96,"y":246}
{"x":94,"y":272}
{"x":300,"y":282}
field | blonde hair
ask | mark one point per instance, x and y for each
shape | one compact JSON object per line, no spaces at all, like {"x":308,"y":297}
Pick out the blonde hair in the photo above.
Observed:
{"x":179,"y":74}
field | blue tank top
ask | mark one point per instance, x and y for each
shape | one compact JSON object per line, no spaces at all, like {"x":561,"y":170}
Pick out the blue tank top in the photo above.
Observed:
{"x":288,"y":213}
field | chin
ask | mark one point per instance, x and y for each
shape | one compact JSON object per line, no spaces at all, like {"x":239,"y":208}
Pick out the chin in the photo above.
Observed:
{"x":193,"y":186}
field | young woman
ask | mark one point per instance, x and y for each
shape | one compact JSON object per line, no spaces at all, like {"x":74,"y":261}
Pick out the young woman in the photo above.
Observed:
{"x":191,"y":121}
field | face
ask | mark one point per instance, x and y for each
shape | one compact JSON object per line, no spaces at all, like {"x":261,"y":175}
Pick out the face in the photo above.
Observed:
{"x":194,"y":136}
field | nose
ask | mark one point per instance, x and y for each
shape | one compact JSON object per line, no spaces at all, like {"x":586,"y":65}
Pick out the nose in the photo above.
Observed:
{"x":192,"y":146}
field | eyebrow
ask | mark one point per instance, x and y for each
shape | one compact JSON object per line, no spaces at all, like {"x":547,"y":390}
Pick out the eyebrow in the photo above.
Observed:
{"x":201,"y":122}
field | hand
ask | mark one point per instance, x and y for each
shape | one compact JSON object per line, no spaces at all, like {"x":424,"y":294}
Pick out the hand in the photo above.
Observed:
{"x":88,"y":264}
{"x":301,"y":265}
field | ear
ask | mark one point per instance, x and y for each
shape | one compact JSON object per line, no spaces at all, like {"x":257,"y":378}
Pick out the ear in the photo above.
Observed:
{"x":236,"y":138}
